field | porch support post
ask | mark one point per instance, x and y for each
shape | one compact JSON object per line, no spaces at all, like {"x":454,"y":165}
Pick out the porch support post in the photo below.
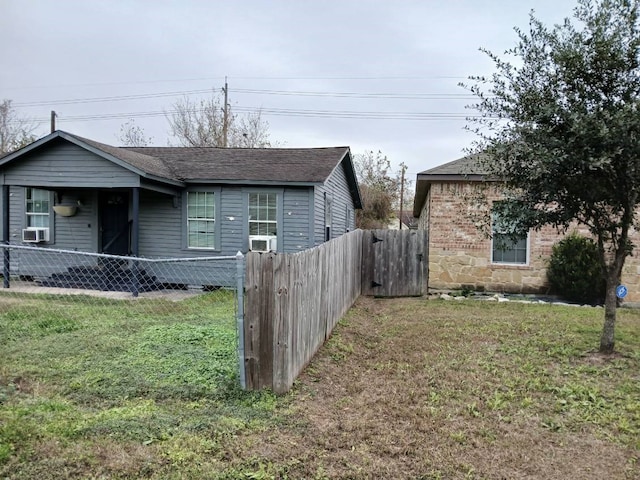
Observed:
{"x":135,"y":236}
{"x":6,"y":269}
{"x":135,"y":224}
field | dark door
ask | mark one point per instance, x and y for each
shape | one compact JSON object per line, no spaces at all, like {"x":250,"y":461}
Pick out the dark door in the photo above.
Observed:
{"x":114,"y":223}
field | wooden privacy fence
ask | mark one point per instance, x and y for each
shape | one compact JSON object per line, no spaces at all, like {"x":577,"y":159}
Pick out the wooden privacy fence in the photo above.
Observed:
{"x":293,"y":301}
{"x":394,"y":263}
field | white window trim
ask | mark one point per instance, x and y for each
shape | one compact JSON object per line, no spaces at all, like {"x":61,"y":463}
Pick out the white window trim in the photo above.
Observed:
{"x":280,"y":220}
{"x":49,"y":214}
{"x":273,"y":222}
{"x":216,"y":215}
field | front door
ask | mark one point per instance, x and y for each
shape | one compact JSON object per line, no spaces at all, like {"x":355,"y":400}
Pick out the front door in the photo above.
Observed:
{"x":114,"y":223}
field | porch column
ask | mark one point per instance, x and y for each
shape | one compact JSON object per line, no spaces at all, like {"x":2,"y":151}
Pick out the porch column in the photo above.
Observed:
{"x":135,"y":224}
{"x":135,"y":236}
{"x":6,"y":269}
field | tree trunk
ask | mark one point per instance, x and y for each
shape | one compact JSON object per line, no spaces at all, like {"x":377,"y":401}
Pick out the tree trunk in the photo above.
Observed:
{"x":607,"y":340}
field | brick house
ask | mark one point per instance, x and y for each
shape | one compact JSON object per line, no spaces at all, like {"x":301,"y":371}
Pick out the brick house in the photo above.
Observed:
{"x":462,"y":256}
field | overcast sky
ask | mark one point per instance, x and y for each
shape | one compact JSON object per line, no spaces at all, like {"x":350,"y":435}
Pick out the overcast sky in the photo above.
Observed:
{"x":372,"y":75}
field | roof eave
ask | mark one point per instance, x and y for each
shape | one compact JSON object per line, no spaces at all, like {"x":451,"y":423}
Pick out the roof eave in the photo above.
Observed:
{"x":271,"y":183}
{"x":32,"y":146}
{"x":424,"y":181}
{"x":76,"y":141}
{"x":352,"y":179}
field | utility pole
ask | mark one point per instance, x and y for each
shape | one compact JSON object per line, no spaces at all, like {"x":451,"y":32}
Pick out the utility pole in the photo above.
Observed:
{"x":53,"y":121}
{"x":404,"y":168}
{"x":225,"y":110}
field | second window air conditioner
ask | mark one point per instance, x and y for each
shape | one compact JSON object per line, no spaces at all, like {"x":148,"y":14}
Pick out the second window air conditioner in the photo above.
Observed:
{"x":262,"y":243}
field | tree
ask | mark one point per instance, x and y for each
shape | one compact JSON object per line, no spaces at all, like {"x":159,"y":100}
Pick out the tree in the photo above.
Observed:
{"x":202,"y":124}
{"x":15,"y":131}
{"x":379,"y":188}
{"x":132,"y":135}
{"x":560,"y":126}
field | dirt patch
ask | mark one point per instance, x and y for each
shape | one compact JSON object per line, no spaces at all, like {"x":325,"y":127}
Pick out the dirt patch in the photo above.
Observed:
{"x":405,"y":389}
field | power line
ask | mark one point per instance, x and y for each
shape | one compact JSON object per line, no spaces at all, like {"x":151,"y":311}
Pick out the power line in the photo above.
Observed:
{"x":344,"y":114}
{"x":383,"y":95}
{"x":218,"y":79}
{"x":116,"y":98}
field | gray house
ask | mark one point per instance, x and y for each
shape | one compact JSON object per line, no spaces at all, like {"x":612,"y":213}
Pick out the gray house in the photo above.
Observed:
{"x":68,"y":192}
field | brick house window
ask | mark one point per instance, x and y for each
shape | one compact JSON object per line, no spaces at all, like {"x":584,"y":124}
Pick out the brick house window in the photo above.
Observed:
{"x":505,"y":248}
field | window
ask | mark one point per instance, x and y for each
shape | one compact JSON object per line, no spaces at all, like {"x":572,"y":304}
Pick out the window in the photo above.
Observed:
{"x":37,"y":205}
{"x":201,"y":220}
{"x":262,"y":214}
{"x":506,"y":249}
{"x":327,"y":218}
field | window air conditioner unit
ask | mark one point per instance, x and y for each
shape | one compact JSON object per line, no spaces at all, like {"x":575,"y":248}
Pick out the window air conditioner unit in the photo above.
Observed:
{"x":35,"y":235}
{"x":263,"y":243}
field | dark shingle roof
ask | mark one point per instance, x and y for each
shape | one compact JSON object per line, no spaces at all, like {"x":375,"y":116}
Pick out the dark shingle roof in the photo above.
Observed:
{"x":146,"y":163}
{"x":303,"y":165}
{"x":463,"y":166}
{"x":180,"y":165}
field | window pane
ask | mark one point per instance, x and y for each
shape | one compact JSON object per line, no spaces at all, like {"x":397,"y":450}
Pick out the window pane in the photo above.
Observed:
{"x":263,"y":214}
{"x":505,"y":250}
{"x":37,"y":207}
{"x":200,"y":219}
{"x":40,"y":221}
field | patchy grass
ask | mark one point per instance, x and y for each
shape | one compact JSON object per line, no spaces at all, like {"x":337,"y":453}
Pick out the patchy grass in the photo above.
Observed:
{"x":409,"y":388}
{"x":405,"y":388}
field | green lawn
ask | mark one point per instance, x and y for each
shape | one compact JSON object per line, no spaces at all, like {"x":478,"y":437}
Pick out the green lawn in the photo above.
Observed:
{"x":92,"y":387}
{"x":405,"y":388}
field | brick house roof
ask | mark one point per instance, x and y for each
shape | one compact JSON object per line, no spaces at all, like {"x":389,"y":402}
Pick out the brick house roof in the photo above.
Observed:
{"x":463,"y":169}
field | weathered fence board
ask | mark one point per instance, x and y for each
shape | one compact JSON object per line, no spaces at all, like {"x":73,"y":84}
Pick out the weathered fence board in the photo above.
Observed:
{"x":394,"y":263}
{"x":293,"y":303}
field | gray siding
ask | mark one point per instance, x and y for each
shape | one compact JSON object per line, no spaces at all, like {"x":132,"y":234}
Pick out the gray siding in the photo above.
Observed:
{"x":78,"y":232}
{"x":67,"y":165}
{"x":296,"y":220}
{"x":232,"y":219}
{"x":160,"y":225}
{"x":16,"y":213}
{"x":337,"y":189}
{"x":69,"y":233}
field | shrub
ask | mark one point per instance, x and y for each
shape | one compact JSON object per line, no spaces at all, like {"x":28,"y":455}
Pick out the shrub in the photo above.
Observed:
{"x":574,"y":270}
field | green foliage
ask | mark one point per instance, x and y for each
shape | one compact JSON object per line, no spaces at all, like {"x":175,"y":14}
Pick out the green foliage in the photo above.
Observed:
{"x":574,"y":270}
{"x":15,"y":131}
{"x":559,"y":125}
{"x":379,"y":188}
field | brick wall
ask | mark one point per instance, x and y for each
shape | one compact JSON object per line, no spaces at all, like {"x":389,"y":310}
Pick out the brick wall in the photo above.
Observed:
{"x":460,"y":252}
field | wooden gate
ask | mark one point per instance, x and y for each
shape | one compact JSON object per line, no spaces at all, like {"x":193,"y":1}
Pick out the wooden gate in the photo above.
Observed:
{"x":394,"y":263}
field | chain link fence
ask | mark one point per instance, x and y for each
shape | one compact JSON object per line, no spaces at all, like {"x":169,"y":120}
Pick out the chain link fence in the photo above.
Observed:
{"x":60,"y":290}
